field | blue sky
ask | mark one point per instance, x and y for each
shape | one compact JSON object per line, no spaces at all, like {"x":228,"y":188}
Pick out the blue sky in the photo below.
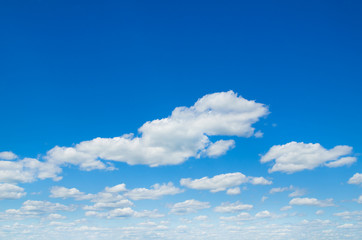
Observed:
{"x":94,"y":144}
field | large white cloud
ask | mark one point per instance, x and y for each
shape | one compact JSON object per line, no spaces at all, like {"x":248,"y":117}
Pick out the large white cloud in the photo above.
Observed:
{"x":222,"y":182}
{"x":11,"y":191}
{"x":168,"y":141}
{"x":297,"y":156}
{"x":174,"y":139}
{"x":356,"y":179}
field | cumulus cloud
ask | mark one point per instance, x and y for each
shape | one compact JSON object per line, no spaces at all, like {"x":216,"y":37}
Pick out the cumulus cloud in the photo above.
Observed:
{"x":222,"y":182}
{"x":11,"y":191}
{"x":297,"y":156}
{"x":27,"y":170}
{"x":7,"y":155}
{"x":174,"y":139}
{"x":233,"y":191}
{"x":356,"y":179}
{"x":311,"y":202}
{"x":188,"y":206}
{"x":63,"y":192}
{"x":156,"y":191}
{"x":227,"y":207}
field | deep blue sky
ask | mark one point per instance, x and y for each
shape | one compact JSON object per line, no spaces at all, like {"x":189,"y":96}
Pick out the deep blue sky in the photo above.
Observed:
{"x":73,"y":70}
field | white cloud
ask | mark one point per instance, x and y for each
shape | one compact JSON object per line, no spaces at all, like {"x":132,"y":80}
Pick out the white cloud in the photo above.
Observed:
{"x":298,"y":193}
{"x":346,"y":225}
{"x":347,"y":215}
{"x":55,"y":216}
{"x":227,"y":207}
{"x":233,"y":191}
{"x":243,"y":216}
{"x":263,"y":214}
{"x":7,"y":155}
{"x":27,"y":170}
{"x":311,"y":202}
{"x":259,"y":181}
{"x":201,"y":218}
{"x":319,"y":212}
{"x":222,"y":182}
{"x":31,"y":208}
{"x":115,"y":189}
{"x":219,"y":148}
{"x":155,"y":192}
{"x":171,"y":140}
{"x":63,"y":192}
{"x":356,"y":179}
{"x":188,"y":206}
{"x":280,"y":189}
{"x":286,"y":208}
{"x":359,"y":200}
{"x":11,"y":191}
{"x":297,"y":156}
{"x":215,"y":184}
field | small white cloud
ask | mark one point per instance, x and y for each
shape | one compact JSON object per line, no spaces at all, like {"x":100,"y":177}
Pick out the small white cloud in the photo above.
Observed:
{"x":263,"y":214}
{"x":298,"y":193}
{"x":63,"y":192}
{"x":201,"y":218}
{"x":346,"y":225}
{"x":259,"y":181}
{"x":356,"y":179}
{"x":219,"y":148}
{"x":286,"y":208}
{"x":319,"y":212}
{"x":188,"y":206}
{"x":280,"y":189}
{"x":117,"y":188}
{"x":155,"y":192}
{"x":227,"y":207}
{"x":297,"y":156}
{"x":233,"y":191}
{"x":311,"y":202}
{"x":11,"y":191}
{"x":7,"y":155}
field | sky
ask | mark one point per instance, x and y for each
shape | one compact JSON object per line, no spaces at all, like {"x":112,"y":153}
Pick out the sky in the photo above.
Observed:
{"x":180,"y":120}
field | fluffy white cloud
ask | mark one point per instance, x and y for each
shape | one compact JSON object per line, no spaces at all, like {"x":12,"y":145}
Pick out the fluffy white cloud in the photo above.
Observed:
{"x":297,"y":156}
{"x":222,"y":182}
{"x":356,"y":179}
{"x":27,"y":170}
{"x":115,"y":189}
{"x":311,"y":202}
{"x":11,"y":191}
{"x":227,"y":207}
{"x":7,"y":155}
{"x":280,"y":189}
{"x":243,"y":216}
{"x":263,"y":214}
{"x":63,"y":192}
{"x":359,"y":200}
{"x":188,"y":206}
{"x":155,"y":192}
{"x":233,"y":191}
{"x":219,"y":148}
{"x":259,"y":181}
{"x":171,"y":140}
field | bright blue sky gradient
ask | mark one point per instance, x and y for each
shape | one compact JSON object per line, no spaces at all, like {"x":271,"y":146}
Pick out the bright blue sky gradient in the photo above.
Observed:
{"x":72,"y":71}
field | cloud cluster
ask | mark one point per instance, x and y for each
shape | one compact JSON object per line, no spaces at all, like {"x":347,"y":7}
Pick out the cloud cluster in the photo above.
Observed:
{"x":297,"y":156}
{"x":223,"y":182}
